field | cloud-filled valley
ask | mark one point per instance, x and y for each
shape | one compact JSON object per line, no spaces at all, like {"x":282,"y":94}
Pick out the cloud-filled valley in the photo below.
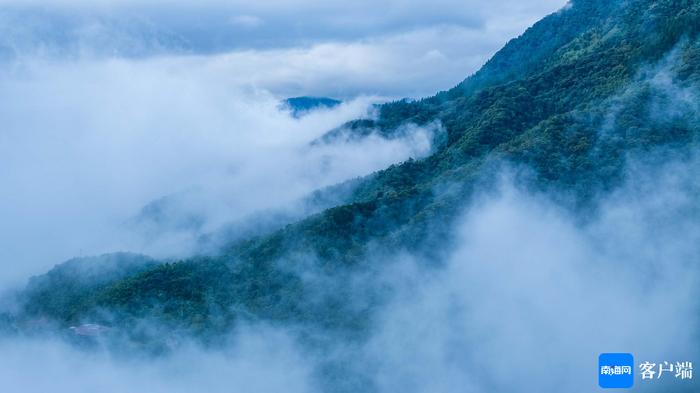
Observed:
{"x":495,"y":237}
{"x":127,"y":133}
{"x":537,"y":292}
{"x":91,"y":135}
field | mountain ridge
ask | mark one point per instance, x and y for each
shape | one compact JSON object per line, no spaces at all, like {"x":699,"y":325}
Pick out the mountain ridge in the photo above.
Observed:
{"x":569,"y":99}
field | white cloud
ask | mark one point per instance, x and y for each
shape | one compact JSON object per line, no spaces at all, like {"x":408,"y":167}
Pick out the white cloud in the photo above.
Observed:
{"x":527,"y":300}
{"x":390,"y":52}
{"x":86,"y":144}
{"x":248,"y":21}
{"x":531,"y":295}
{"x":104,"y":113}
{"x":262,"y":361}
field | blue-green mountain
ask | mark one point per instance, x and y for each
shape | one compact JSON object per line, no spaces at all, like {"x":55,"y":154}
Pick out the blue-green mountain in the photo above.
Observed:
{"x":571,"y":100}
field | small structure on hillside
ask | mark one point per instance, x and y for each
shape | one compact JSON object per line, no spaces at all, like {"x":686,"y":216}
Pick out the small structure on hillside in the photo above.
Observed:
{"x":89,"y":329}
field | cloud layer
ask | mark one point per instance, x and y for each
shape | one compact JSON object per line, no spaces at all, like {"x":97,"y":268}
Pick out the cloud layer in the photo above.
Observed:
{"x":110,"y":105}
{"x":392,"y":48}
{"x":85,"y":145}
{"x":530,"y":296}
{"x":526,"y":301}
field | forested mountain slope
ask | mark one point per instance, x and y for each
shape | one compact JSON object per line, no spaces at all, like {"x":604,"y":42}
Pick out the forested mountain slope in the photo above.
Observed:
{"x":570,"y":100}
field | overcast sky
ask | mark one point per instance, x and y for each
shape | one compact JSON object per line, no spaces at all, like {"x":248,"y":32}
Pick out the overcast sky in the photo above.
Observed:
{"x":109,"y":105}
{"x":290,"y":47}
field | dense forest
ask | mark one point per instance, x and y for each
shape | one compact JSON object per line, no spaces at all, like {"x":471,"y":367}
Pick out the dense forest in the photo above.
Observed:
{"x":564,"y":107}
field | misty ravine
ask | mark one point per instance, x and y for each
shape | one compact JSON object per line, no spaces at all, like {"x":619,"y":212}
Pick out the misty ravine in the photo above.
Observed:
{"x":221,"y":236}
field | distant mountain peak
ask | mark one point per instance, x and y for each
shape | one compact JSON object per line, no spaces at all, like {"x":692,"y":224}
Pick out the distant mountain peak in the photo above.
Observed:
{"x":300,"y":106}
{"x":568,"y":100}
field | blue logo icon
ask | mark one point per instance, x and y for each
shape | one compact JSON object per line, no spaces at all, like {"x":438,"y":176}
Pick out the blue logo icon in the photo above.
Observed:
{"x":615,"y":370}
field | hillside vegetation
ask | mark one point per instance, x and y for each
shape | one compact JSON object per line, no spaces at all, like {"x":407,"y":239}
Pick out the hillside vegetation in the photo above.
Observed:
{"x":571,"y":100}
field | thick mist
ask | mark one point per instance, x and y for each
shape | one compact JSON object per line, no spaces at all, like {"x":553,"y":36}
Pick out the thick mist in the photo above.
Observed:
{"x":291,"y":47}
{"x":86,"y":145}
{"x":527,"y":289}
{"x":150,"y":151}
{"x":109,"y":106}
{"x":530,"y":297}
{"x":263,"y":361}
